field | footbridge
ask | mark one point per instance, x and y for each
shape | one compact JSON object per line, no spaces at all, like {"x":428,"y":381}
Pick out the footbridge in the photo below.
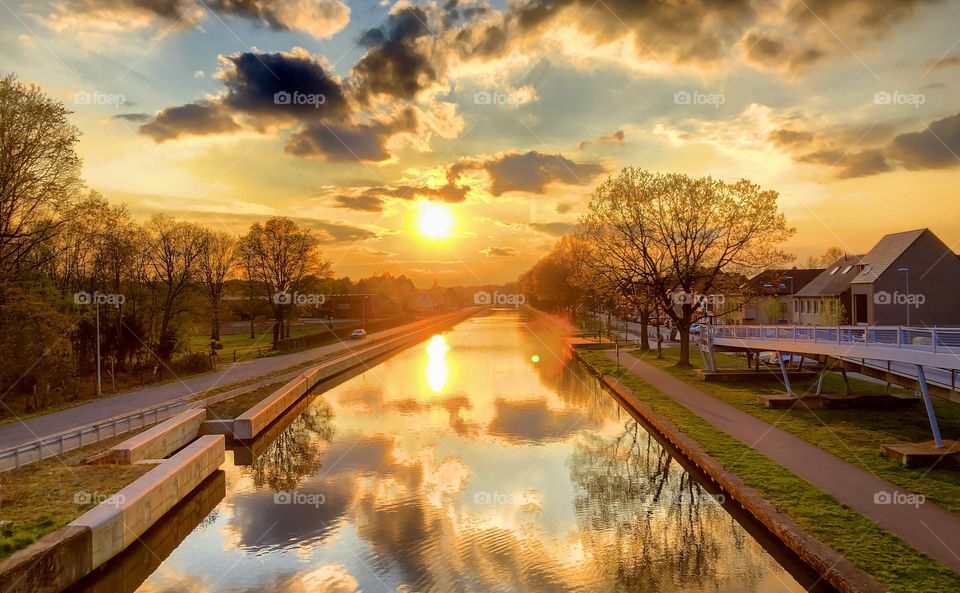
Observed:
{"x":928,"y":358}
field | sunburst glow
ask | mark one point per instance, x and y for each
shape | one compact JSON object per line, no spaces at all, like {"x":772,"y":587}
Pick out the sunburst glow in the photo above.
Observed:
{"x":435,"y":221}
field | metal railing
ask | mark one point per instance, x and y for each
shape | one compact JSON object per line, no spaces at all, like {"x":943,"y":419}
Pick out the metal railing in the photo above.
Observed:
{"x":89,"y":434}
{"x":924,"y":339}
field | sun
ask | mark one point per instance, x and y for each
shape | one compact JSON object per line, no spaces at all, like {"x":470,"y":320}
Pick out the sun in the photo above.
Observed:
{"x":436,"y":221}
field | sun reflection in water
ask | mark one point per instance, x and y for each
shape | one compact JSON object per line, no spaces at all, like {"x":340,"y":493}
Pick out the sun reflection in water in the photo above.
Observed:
{"x":437,"y":370}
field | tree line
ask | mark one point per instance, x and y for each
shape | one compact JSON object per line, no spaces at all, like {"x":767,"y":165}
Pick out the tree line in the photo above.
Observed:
{"x":71,"y":261}
{"x":659,"y":245}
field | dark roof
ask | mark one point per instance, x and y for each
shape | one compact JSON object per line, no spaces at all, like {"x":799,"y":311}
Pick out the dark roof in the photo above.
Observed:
{"x":885,"y":253}
{"x":780,"y":281}
{"x":833,"y":280}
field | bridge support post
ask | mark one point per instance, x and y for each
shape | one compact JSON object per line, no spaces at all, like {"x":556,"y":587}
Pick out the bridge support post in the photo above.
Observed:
{"x":786,"y":375}
{"x":925,"y":391}
{"x":823,"y":375}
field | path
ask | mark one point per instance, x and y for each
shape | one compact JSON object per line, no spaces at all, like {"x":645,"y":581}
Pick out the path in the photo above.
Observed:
{"x":21,"y":432}
{"x":927,"y":527}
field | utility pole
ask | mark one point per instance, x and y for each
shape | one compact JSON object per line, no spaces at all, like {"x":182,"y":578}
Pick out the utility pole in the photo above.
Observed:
{"x":99,"y":380}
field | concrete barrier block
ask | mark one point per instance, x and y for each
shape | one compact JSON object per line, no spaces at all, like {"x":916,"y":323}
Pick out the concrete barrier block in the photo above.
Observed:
{"x":50,"y":565}
{"x":161,"y":440}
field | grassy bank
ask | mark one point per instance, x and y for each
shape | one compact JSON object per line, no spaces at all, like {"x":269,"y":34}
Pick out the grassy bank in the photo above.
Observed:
{"x":233,"y":407}
{"x":42,"y":497}
{"x":852,"y":435}
{"x":892,"y":562}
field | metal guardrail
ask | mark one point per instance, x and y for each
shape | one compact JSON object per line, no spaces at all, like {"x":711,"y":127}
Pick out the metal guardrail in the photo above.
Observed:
{"x":89,"y":434}
{"x":922,"y":339}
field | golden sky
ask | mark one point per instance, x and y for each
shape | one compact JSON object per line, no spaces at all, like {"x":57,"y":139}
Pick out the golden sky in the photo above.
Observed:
{"x":351,"y":116}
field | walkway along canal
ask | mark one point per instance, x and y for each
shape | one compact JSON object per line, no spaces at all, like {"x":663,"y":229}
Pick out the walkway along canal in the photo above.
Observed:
{"x":480,"y":460}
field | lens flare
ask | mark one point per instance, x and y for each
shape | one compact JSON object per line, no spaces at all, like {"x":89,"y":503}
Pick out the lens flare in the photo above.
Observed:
{"x":437,"y":370}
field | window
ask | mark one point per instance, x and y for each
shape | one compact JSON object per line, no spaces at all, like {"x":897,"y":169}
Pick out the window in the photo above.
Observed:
{"x":847,"y":269}
{"x":866,"y":270}
{"x":835,"y":270}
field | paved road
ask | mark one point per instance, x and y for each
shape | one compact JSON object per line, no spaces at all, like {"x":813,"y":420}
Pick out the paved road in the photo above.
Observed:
{"x":22,"y":432}
{"x":927,"y":527}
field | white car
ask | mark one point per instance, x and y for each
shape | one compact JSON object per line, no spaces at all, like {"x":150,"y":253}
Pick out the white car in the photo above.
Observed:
{"x":358,"y":334}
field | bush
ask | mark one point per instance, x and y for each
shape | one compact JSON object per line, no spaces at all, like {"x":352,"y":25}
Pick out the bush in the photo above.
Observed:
{"x":195,"y":362}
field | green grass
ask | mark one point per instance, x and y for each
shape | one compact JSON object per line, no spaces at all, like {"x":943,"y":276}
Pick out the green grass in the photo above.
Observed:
{"x":233,"y":407}
{"x":852,"y":435}
{"x":42,"y":497}
{"x":891,"y":561}
{"x":246,"y":347}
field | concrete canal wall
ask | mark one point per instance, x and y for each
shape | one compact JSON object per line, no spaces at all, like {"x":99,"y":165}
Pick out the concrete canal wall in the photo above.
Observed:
{"x":63,"y":557}
{"x":249,"y":424}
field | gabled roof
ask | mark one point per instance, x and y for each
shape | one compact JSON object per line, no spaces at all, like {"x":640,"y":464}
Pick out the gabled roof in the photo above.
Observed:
{"x":780,"y":281}
{"x":834,"y":280}
{"x":885,"y":253}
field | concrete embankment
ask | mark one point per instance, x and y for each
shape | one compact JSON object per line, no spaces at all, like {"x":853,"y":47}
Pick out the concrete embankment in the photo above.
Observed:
{"x":249,"y":424}
{"x":157,"y":442}
{"x":63,"y":557}
{"x":834,"y":568}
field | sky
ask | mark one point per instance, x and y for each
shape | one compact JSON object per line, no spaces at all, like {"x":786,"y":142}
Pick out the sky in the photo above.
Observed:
{"x":455,"y":141}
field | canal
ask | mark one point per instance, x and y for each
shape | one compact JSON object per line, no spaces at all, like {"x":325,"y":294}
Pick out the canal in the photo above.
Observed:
{"x":479,"y":460}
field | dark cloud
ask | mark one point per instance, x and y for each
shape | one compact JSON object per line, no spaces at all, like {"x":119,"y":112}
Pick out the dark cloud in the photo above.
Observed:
{"x":942,"y":62}
{"x":936,"y":147}
{"x":445,"y":193}
{"x":138,"y":118}
{"x":785,"y":137}
{"x":564,"y":207}
{"x":534,"y":421}
{"x":349,"y":142}
{"x":364,"y":203}
{"x":527,"y":172}
{"x":850,"y":164}
{"x":281,"y":84}
{"x":336,"y":232}
{"x":397,"y":63}
{"x":498,"y":252}
{"x":767,"y":50}
{"x":197,"y":119}
{"x":555,"y":229}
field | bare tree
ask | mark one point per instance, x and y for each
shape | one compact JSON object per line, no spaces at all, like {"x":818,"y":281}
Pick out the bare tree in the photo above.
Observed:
{"x":279,"y":254}
{"x":827,"y":258}
{"x":684,"y":236}
{"x":217,"y":260}
{"x":39,"y":171}
{"x":173,"y":252}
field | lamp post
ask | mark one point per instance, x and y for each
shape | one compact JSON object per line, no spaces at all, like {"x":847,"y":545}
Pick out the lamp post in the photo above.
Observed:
{"x":793,"y":300}
{"x":906,"y":275}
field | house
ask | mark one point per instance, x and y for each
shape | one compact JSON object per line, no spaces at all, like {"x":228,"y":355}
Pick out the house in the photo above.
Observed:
{"x":348,"y":306}
{"x":908,"y":278}
{"x":769,"y":296}
{"x":826,"y":299}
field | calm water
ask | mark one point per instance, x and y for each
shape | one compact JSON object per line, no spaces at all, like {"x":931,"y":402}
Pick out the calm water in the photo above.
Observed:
{"x":477,"y":461}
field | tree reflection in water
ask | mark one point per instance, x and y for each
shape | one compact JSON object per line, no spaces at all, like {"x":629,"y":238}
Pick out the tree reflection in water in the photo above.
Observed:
{"x":297,"y":452}
{"x":645,"y":519}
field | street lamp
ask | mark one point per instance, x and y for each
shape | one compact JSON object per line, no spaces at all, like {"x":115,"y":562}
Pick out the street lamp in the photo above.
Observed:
{"x":793,"y":301}
{"x":906,"y":275}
